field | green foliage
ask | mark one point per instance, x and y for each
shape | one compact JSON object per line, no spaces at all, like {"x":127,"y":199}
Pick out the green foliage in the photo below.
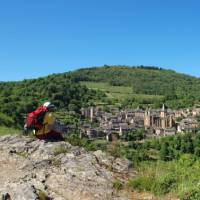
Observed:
{"x":141,"y":184}
{"x":164,"y":151}
{"x":98,"y":145}
{"x":87,"y":144}
{"x":23,"y":154}
{"x":122,"y":85}
{"x":197,"y":151}
{"x":56,"y":162}
{"x":19,"y":98}
{"x":159,"y":185}
{"x":161,"y":165}
{"x":134,"y":135}
{"x":8,"y":131}
{"x":6,"y":120}
{"x":42,"y":195}
{"x":191,"y":194}
{"x":60,"y":150}
{"x":124,"y":95}
{"x":164,"y":184}
{"x":116,"y":149}
{"x":180,"y":177}
{"x":178,"y":90}
{"x":118,"y":185}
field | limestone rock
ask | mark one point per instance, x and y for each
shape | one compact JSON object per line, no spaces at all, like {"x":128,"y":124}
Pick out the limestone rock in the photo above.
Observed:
{"x":121,"y":165}
{"x":18,"y":191}
{"x":31,"y":167}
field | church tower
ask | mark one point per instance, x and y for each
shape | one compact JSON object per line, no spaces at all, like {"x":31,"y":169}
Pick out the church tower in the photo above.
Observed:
{"x":163,"y":117}
{"x":163,"y":112}
{"x":147,"y":118}
{"x":91,"y":114}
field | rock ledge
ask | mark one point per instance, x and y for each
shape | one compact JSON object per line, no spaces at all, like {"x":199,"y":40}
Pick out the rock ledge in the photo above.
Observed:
{"x":32,"y":169}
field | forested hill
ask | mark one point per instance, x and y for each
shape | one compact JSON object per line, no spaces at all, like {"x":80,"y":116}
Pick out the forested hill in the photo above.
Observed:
{"x":19,"y":98}
{"x":144,"y":80}
{"x":68,"y":93}
{"x":179,"y":90}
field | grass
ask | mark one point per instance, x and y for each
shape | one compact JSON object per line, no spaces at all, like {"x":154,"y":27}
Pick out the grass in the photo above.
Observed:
{"x":179,"y":178}
{"x":23,"y":154}
{"x":117,"y":185}
{"x":56,"y":162}
{"x":60,"y":150}
{"x":118,"y":92}
{"x":8,"y":131}
{"x":106,"y":87}
{"x":42,"y":195}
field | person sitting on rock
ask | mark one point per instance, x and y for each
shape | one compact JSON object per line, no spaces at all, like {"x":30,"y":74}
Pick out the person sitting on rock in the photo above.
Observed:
{"x":43,"y":122}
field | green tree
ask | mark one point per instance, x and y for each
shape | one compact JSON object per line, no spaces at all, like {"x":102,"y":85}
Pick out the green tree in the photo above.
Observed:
{"x":164,"y":151}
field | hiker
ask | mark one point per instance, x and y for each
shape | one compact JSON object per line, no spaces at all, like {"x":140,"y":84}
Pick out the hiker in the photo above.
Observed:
{"x":43,"y":122}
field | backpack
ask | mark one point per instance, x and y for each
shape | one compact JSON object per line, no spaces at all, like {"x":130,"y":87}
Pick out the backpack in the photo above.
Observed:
{"x":35,"y":118}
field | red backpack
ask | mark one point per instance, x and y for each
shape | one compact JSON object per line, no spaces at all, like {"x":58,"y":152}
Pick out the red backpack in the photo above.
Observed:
{"x":35,"y":118}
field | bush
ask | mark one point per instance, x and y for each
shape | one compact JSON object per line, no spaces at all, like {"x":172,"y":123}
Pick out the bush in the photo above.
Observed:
{"x":159,"y":186}
{"x":60,"y":150}
{"x":118,"y":185}
{"x":6,"y":120}
{"x":192,"y":194}
{"x":73,"y":139}
{"x":8,"y":131}
{"x":115,"y":149}
{"x":42,"y":195}
{"x":141,"y":184}
{"x":98,"y":145}
{"x":164,"y":184}
{"x":87,"y":144}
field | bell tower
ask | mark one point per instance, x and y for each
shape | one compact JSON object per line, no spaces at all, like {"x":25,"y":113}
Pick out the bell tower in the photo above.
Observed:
{"x":163,"y":117}
{"x":147,"y":119}
{"x":163,"y":111}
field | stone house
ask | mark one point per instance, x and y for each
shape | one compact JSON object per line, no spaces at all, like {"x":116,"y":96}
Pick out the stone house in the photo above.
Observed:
{"x":187,"y":125}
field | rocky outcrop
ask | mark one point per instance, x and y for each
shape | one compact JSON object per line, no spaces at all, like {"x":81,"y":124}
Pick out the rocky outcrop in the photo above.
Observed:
{"x":33,"y":169}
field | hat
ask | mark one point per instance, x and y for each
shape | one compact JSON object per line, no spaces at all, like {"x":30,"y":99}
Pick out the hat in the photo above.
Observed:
{"x":48,"y":105}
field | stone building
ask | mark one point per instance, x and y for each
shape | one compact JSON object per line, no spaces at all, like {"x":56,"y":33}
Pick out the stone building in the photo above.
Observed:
{"x":160,"y":119}
{"x":92,"y":113}
{"x":189,"y":124}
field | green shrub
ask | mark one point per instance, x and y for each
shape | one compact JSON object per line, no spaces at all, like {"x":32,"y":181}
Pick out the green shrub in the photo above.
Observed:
{"x":98,"y":145}
{"x":141,"y":184}
{"x":164,"y":184}
{"x":59,"y":150}
{"x":87,"y":144}
{"x":55,"y":162}
{"x":8,"y":131}
{"x":73,"y":139}
{"x":6,"y":120}
{"x":42,"y":195}
{"x":192,"y":194}
{"x":116,"y":149}
{"x":118,"y":185}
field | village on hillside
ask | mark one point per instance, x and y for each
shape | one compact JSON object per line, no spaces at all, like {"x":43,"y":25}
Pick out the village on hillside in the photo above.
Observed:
{"x":115,"y":123}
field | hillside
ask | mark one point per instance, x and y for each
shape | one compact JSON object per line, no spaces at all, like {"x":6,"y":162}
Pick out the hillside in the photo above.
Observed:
{"x":163,"y":86}
{"x":19,"y":98}
{"x":119,"y":85}
{"x":161,"y":165}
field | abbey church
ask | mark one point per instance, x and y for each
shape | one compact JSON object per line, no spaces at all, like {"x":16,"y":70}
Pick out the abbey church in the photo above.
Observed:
{"x":158,"y":119}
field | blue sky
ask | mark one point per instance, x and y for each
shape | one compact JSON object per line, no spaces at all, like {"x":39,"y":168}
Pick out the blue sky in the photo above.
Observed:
{"x":40,"y":37}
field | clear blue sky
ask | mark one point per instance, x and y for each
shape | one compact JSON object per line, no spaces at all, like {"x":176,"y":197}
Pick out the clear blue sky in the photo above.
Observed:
{"x":40,"y":37}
